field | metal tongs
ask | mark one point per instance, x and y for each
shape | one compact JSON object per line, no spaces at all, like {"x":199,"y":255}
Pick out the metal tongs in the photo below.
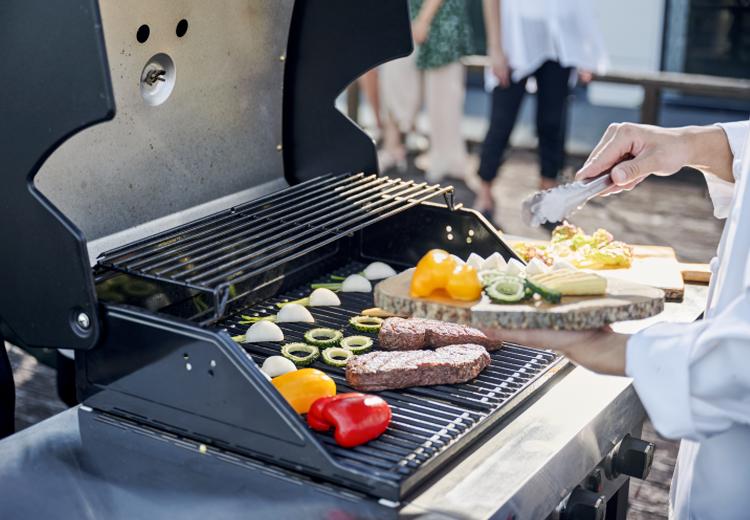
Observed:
{"x":555,"y":204}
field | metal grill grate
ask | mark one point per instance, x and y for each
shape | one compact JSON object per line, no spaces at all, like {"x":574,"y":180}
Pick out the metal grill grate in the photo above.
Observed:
{"x":213,"y":254}
{"x":429,"y":423}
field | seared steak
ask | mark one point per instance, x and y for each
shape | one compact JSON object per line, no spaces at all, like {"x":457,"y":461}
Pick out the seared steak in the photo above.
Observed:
{"x":418,"y":333}
{"x":443,"y":366}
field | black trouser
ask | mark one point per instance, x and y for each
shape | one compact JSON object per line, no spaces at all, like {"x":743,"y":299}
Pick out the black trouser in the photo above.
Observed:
{"x":7,"y":393}
{"x":551,"y":111}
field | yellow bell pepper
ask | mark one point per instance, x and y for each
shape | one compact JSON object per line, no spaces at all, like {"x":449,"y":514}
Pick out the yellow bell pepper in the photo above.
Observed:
{"x":439,"y":271}
{"x":463,"y":283}
{"x":302,"y":388}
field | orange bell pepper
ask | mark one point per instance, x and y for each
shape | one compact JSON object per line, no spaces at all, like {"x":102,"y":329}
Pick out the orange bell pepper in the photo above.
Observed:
{"x":302,"y":388}
{"x":439,"y":270}
{"x":463,"y":283}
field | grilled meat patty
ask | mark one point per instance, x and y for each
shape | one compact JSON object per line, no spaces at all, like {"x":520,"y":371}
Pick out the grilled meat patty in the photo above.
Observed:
{"x":443,"y":366}
{"x":418,"y":333}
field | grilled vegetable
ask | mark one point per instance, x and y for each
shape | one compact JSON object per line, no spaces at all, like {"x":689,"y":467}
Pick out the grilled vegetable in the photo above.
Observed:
{"x":547,"y":294}
{"x":337,"y":356}
{"x":378,"y":271}
{"x":356,"y":418}
{"x":301,"y":354}
{"x":507,"y":289}
{"x":263,"y":331}
{"x":356,"y":344}
{"x":323,"y":338}
{"x":366,"y":323}
{"x":303,"y":387}
{"x":573,"y":283}
{"x":275,"y":366}
{"x":323,"y":297}
{"x":294,"y":313}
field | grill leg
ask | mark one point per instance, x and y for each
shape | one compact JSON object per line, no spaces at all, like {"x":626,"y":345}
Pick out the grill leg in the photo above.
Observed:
{"x":7,"y":393}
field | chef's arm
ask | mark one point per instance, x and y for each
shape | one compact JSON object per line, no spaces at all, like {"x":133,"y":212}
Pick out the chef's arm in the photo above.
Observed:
{"x":634,"y":152}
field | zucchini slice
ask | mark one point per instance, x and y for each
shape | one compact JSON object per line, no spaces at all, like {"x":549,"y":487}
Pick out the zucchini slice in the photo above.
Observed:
{"x":507,"y":289}
{"x":366,"y":323}
{"x":301,"y":354}
{"x":356,"y":344}
{"x":323,"y":338}
{"x":337,"y":356}
{"x":547,"y":294}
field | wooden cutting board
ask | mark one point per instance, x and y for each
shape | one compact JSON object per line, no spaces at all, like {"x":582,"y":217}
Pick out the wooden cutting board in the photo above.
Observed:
{"x":624,"y":301}
{"x":656,"y":266}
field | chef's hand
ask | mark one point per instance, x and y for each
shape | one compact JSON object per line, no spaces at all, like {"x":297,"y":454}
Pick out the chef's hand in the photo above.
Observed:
{"x":634,"y":152}
{"x":601,"y":350}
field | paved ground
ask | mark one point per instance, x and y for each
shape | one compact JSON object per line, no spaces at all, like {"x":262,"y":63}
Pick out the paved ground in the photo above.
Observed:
{"x":659,"y":212}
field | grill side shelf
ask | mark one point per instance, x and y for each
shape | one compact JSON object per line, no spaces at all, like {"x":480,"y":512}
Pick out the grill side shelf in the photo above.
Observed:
{"x":222,"y":255}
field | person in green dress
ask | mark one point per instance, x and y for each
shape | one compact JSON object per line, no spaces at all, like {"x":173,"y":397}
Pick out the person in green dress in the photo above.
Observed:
{"x":442,"y":35}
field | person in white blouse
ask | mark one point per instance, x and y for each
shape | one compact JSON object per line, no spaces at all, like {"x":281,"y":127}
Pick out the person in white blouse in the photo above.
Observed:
{"x":693,"y":380}
{"x":550,"y":43}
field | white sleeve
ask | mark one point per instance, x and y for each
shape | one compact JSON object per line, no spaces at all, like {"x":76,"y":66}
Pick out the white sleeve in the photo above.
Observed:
{"x":694,"y":380}
{"x":721,"y":191}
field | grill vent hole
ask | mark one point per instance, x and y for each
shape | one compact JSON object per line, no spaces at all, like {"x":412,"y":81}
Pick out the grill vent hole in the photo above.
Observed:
{"x":182,"y":27}
{"x":143,"y":33}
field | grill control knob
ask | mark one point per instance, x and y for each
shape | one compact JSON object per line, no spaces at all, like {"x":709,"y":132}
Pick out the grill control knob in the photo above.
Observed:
{"x":585,"y":505}
{"x":633,"y":457}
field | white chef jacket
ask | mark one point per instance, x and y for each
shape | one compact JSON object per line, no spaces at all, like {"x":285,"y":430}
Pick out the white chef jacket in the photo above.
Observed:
{"x":694,"y":380}
{"x":534,"y":31}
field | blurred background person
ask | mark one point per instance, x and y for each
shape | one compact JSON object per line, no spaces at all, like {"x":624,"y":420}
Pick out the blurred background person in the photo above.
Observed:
{"x":442,"y":35}
{"x":551,"y":42}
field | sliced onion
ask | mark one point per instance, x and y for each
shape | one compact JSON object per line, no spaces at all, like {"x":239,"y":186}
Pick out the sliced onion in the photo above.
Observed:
{"x":475,"y":261}
{"x":263,"y":330}
{"x":515,"y":268}
{"x":275,"y":366}
{"x":536,"y":266}
{"x":356,"y":283}
{"x":378,"y":271}
{"x":321,"y":297}
{"x":494,"y":261}
{"x":294,"y":312}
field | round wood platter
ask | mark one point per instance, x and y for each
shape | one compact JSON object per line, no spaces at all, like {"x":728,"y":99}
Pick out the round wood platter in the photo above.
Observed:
{"x":624,"y":301}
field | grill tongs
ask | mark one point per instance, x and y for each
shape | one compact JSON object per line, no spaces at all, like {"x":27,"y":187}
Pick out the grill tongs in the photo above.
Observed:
{"x":555,"y":204}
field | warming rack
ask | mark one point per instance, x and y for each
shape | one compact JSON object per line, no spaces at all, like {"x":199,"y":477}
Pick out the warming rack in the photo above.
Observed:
{"x":211,"y":255}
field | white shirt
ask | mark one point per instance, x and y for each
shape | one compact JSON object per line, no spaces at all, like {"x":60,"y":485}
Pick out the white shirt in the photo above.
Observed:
{"x":694,"y":380}
{"x":534,"y":31}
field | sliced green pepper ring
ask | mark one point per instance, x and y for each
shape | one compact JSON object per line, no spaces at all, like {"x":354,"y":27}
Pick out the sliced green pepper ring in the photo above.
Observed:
{"x":323,"y":338}
{"x":301,"y":354}
{"x":366,"y":323}
{"x":337,"y":356}
{"x":356,"y":344}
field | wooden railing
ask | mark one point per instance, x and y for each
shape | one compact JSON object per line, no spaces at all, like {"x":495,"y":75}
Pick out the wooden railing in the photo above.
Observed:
{"x":653,"y":83}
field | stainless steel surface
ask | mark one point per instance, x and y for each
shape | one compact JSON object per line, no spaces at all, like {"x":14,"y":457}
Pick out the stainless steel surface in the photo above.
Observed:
{"x":555,"y":204}
{"x":215,"y":134}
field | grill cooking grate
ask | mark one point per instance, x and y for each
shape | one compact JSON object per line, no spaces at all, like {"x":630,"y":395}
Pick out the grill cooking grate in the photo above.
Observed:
{"x":213,"y":254}
{"x":427,"y":421}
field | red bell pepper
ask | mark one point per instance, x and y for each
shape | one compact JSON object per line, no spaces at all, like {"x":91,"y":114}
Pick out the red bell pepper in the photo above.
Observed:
{"x":357,"y":418}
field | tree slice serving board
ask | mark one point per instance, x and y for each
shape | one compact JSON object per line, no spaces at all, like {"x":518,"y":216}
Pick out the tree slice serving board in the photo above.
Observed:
{"x":624,"y":301}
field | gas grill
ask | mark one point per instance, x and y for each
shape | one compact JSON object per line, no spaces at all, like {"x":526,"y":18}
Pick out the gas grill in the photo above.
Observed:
{"x":219,"y":182}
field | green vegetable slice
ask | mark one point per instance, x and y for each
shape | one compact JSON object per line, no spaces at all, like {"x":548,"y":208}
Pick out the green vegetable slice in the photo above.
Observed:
{"x":507,"y":289}
{"x":356,"y":344}
{"x":323,"y":338}
{"x":488,"y":276}
{"x":301,"y":354}
{"x":337,"y":357}
{"x":547,"y":294}
{"x":366,"y":323}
